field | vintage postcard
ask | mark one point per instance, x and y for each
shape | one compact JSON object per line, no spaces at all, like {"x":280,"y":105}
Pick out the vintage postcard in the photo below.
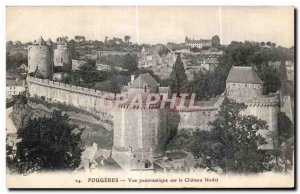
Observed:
{"x":150,"y":97}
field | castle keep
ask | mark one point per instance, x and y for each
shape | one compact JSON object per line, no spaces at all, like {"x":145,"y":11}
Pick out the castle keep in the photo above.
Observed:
{"x":141,"y":132}
{"x":40,"y":59}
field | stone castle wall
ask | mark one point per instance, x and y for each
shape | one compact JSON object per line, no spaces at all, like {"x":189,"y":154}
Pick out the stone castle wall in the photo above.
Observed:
{"x":244,"y":90}
{"x":198,"y":119}
{"x":80,"y":97}
{"x":138,"y":137}
{"x":201,"y":118}
{"x":138,"y":128}
{"x":264,"y":107}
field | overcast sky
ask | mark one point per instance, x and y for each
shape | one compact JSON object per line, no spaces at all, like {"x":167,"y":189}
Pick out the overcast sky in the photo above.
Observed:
{"x":153,"y":24}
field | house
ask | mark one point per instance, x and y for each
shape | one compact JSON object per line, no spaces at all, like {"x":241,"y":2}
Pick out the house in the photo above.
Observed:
{"x":275,"y":64}
{"x":103,"y":67}
{"x":209,"y":64}
{"x":202,"y":43}
{"x":15,"y":87}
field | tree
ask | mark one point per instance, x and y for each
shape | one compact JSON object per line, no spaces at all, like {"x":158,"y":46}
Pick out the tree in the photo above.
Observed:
{"x":201,"y":85}
{"x":130,"y":62}
{"x":262,"y":44}
{"x":186,"y":40}
{"x":72,"y":47}
{"x":180,"y":141}
{"x":215,"y":41}
{"x":195,"y":49}
{"x":127,"y":38}
{"x":271,"y":79}
{"x":285,"y":127}
{"x":283,"y":77}
{"x":178,"y":76}
{"x":49,"y":143}
{"x":163,"y":50}
{"x":14,"y":61}
{"x":233,"y":142}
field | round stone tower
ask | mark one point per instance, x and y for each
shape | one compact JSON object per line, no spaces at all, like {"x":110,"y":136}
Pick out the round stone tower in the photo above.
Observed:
{"x":40,"y":59}
{"x":243,"y":82}
{"x":62,"y":56}
{"x":244,"y":86}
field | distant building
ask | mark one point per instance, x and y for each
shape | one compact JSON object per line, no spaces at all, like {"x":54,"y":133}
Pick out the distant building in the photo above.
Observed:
{"x":198,"y":43}
{"x":161,"y":65}
{"x":209,"y":64}
{"x":178,"y":47}
{"x":106,"y":53}
{"x":212,"y":53}
{"x":149,"y":57}
{"x":103,"y":67}
{"x":275,"y":64}
{"x":76,"y":64}
{"x":15,"y":87}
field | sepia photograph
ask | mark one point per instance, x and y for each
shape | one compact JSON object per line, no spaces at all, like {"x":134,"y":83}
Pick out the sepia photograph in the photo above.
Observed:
{"x":140,"y":97}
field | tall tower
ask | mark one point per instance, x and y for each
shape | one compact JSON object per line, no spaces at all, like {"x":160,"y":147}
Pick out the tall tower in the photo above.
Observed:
{"x":244,"y":86}
{"x":40,"y":59}
{"x":62,"y":56}
{"x":140,"y":132}
{"x":243,"y":82}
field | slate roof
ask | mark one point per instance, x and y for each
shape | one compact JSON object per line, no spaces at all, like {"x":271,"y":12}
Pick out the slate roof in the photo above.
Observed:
{"x":144,"y":78}
{"x":240,"y":74}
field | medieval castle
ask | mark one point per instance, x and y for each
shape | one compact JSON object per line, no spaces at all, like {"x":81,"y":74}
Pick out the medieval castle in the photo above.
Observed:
{"x":139,"y":132}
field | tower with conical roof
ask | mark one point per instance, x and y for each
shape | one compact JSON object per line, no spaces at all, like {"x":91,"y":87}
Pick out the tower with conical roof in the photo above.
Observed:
{"x":40,"y":59}
{"x":243,"y":82}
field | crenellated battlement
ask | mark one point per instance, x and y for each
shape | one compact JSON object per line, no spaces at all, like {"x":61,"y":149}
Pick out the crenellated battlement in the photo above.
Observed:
{"x":70,"y":88}
{"x":268,"y":100}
